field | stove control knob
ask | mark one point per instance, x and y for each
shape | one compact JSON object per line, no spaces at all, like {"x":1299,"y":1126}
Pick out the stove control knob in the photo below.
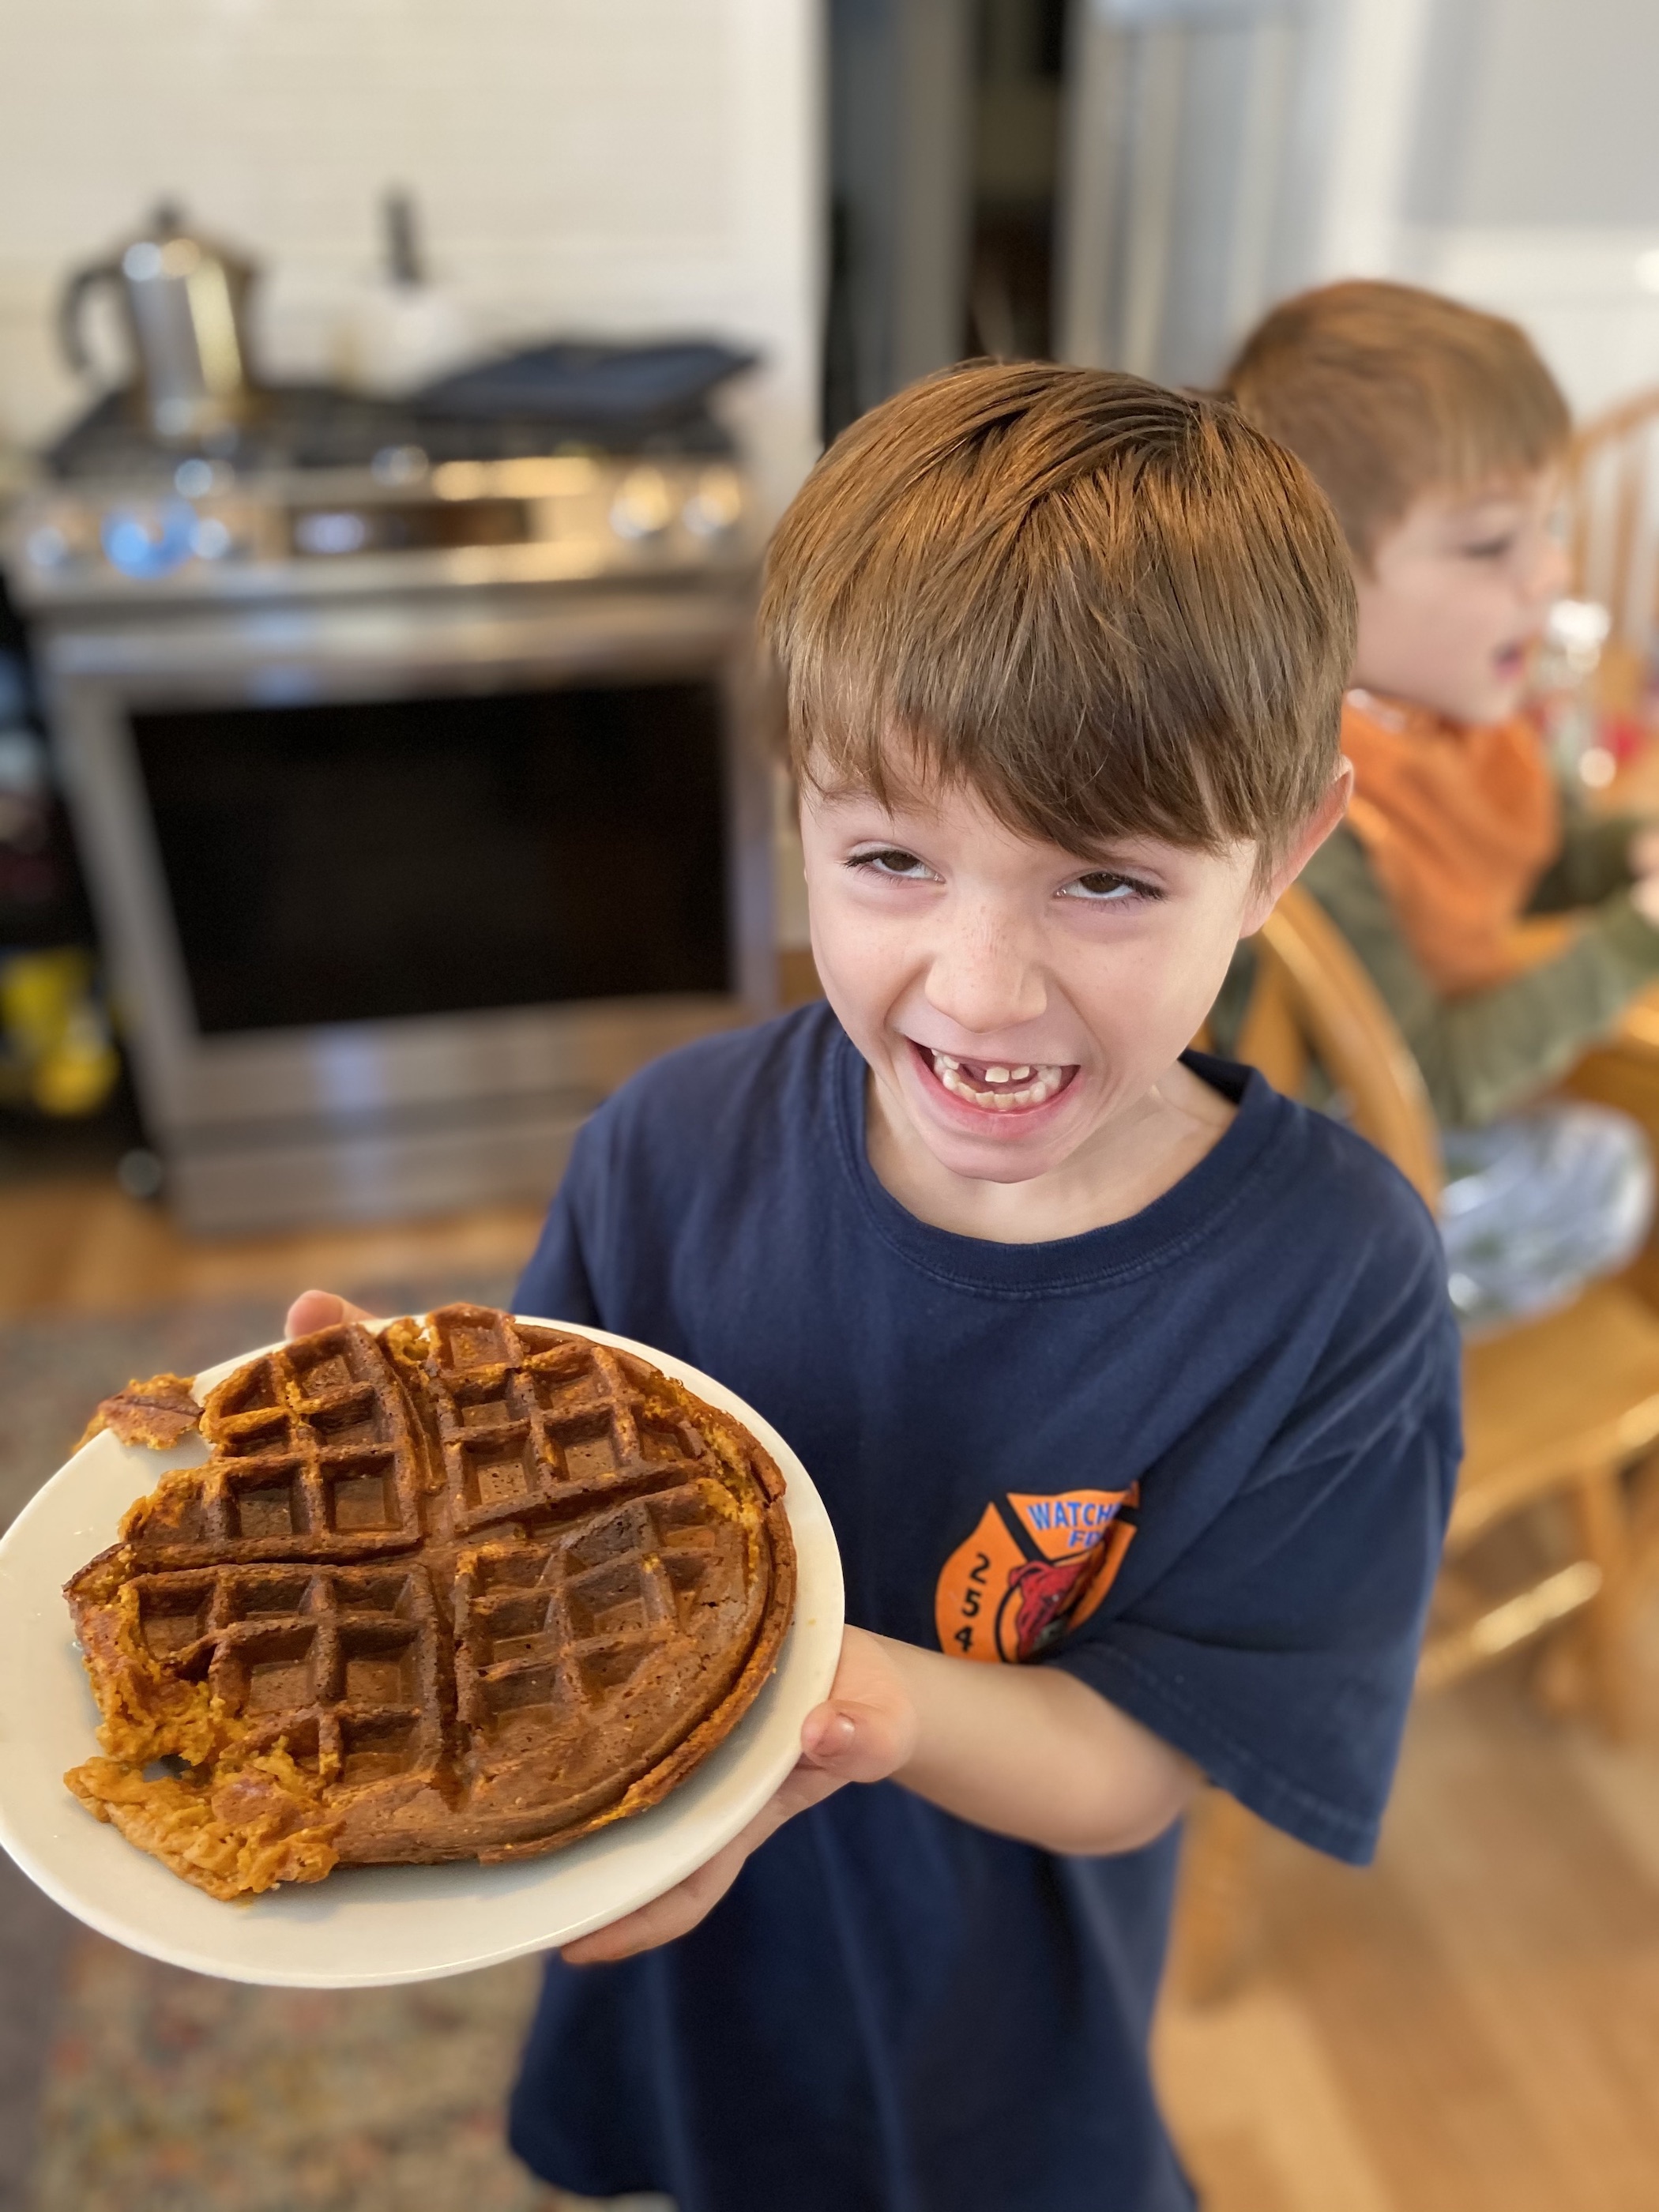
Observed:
{"x":196,"y":475}
{"x":716,"y":506}
{"x":210,"y":539}
{"x":47,"y":546}
{"x":149,"y":543}
{"x":643,"y":506}
{"x":399,"y":464}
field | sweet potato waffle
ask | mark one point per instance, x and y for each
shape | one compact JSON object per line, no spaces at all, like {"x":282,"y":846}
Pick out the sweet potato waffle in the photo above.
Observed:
{"x":470,"y":1588}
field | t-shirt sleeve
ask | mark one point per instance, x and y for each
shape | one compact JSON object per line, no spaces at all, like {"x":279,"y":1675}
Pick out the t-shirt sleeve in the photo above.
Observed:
{"x":557,"y":1284}
{"x":1279,"y":1650}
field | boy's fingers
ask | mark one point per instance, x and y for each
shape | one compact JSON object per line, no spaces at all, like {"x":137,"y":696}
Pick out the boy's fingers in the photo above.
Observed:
{"x":679,"y":1909}
{"x":314,"y":1309}
{"x":803,"y":1787}
{"x":666,"y":1917}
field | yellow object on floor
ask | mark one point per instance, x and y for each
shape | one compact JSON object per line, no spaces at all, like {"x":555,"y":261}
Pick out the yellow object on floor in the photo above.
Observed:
{"x":59,"y":1054}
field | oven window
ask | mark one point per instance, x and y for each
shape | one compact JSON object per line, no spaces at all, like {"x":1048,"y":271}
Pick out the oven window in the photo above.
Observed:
{"x":364,"y":862}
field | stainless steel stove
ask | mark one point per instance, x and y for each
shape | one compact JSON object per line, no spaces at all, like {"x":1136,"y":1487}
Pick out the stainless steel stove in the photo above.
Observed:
{"x":324,"y":494}
{"x":412,"y":763}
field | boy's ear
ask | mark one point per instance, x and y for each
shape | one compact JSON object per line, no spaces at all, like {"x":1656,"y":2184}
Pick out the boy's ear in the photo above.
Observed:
{"x":1300,"y":850}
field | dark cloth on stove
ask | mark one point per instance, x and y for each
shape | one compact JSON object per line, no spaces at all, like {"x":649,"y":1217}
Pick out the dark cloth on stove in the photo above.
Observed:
{"x":1202,"y":1459}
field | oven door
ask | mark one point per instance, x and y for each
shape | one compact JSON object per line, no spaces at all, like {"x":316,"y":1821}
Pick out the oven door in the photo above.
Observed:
{"x":393,"y":893}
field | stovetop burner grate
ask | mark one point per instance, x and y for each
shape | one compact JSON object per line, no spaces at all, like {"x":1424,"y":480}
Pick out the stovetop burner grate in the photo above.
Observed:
{"x":299,"y":425}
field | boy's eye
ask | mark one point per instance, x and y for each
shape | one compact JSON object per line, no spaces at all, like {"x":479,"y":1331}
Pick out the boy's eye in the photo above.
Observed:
{"x":1490,"y":549}
{"x":892,"y":860}
{"x":1102,"y":887}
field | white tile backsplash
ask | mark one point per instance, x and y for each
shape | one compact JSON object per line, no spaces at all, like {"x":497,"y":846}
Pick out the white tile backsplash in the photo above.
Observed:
{"x":593,"y":165}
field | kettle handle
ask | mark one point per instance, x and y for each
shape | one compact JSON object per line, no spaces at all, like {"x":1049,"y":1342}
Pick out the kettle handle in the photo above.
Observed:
{"x":70,"y":309}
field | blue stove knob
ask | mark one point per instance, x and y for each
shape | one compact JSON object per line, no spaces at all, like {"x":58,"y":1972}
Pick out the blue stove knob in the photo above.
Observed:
{"x":152,"y":542}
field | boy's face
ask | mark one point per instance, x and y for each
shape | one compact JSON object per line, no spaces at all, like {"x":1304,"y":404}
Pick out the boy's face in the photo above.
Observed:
{"x":1014,"y":1002}
{"x":1455,"y":595}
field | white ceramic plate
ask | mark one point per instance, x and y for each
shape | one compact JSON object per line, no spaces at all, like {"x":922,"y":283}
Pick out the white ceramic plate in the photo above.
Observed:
{"x":364,"y":1924}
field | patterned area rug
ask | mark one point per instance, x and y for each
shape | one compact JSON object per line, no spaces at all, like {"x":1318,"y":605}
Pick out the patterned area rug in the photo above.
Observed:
{"x":169,"y":2093}
{"x":128,"y":2087}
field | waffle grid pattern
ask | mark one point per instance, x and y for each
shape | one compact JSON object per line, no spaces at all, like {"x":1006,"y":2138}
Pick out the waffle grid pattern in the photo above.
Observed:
{"x":341,"y":1664}
{"x":531,"y":1422}
{"x":314,"y":1458}
{"x":568,"y":1622}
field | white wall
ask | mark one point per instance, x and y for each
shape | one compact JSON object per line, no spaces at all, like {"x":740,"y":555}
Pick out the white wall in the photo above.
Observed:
{"x":1532,"y":185}
{"x":1537,"y":113}
{"x":591,"y":165}
{"x":1576,"y":290}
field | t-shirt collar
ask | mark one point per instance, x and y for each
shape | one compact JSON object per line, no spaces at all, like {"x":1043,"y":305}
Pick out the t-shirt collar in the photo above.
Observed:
{"x":1188,"y":1212}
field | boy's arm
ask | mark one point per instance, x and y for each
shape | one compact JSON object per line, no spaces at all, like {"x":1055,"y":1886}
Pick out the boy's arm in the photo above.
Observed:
{"x":1025,"y":1750}
{"x":1490,"y":1052}
{"x":1032,"y":1752}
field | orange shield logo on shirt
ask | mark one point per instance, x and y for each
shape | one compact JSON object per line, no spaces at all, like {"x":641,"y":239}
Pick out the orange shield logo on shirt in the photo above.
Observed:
{"x":1034,"y":1567}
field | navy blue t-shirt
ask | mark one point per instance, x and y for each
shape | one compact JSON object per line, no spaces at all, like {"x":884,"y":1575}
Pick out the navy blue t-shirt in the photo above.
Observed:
{"x":1202,"y":1459}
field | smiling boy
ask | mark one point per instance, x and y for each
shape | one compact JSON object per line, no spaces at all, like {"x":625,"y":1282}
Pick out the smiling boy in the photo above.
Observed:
{"x":1438,"y":435}
{"x":1129,"y":1386}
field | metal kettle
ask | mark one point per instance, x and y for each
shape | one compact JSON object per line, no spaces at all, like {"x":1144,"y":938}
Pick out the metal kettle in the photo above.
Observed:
{"x":185,"y":303}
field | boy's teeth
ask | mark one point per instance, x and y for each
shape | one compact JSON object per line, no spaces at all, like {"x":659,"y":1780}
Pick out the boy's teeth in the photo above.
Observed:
{"x":967,"y":1078}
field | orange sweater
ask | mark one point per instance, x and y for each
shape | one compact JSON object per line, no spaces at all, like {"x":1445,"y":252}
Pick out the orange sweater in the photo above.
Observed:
{"x":1458,"y":823}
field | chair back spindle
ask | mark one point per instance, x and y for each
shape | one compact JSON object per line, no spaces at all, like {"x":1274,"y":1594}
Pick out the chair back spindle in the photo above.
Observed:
{"x":1313,"y":1000}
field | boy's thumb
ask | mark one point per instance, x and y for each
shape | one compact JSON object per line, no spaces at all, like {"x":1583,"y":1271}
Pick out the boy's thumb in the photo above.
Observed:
{"x":314,"y":1309}
{"x":847,"y":1743}
{"x":827,"y":1734}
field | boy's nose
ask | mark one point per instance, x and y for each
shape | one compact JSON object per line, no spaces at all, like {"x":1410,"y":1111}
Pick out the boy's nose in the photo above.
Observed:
{"x":984,"y":981}
{"x":1550,"y":571}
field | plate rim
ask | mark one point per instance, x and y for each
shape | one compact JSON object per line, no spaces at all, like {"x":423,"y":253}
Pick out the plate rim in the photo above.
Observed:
{"x":827,"y":1600}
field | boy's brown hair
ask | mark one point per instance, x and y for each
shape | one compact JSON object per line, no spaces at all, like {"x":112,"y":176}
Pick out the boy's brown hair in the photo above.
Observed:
{"x":1387,"y":392}
{"x":1111,"y":609}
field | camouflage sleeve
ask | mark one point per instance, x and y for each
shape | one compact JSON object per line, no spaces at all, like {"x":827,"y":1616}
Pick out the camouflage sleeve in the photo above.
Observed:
{"x":1487,"y":1054}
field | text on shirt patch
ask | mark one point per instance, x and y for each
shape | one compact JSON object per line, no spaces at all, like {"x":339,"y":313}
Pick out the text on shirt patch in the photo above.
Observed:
{"x":1033,"y":1569}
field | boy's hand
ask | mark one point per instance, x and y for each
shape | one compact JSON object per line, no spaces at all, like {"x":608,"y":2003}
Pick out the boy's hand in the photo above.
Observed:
{"x":314,"y":1309}
{"x":864,"y":1731}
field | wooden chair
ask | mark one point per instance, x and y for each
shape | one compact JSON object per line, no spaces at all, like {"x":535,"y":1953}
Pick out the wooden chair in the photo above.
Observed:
{"x":1555,"y":1411}
{"x":1612,"y":505}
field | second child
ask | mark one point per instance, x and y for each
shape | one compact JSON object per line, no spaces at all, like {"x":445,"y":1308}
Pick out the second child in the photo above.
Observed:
{"x":1438,"y":435}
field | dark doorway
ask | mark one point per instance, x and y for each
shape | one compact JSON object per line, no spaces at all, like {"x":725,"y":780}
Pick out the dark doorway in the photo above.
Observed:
{"x":1019,"y":71}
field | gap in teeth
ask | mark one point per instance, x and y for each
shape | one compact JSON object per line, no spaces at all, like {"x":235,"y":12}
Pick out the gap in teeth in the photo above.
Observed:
{"x":1037,"y":1093}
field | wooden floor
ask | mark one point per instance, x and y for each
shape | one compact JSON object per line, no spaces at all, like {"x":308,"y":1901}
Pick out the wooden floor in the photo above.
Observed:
{"x":77,"y":1243}
{"x":1471,"y":2026}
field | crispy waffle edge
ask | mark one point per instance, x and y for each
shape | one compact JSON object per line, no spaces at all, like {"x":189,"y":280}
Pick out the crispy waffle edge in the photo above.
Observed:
{"x":158,"y":1411}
